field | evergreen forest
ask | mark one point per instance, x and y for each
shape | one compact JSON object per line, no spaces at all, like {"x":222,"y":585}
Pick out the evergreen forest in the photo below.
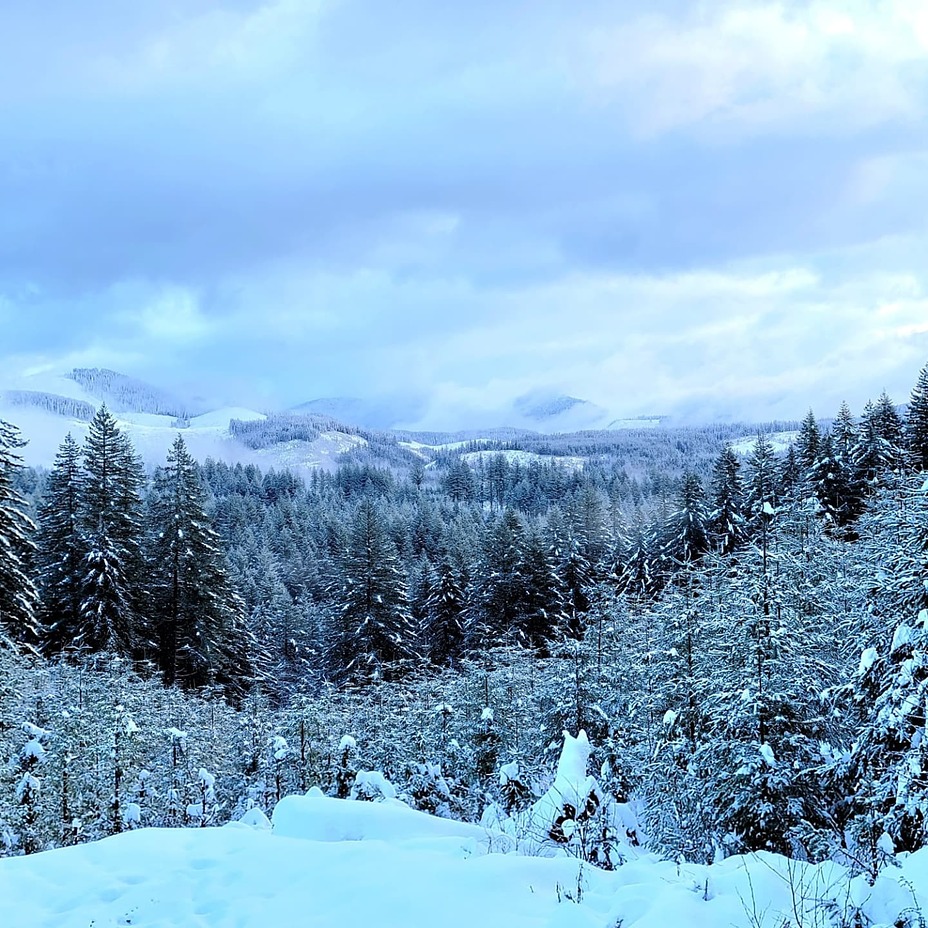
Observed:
{"x":743,"y":637}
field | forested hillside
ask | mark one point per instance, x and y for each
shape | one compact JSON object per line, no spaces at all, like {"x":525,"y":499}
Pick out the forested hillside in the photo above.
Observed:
{"x":744,"y":640}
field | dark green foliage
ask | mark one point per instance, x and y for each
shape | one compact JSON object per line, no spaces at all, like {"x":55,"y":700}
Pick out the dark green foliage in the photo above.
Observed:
{"x":61,"y":551}
{"x":727,"y":524}
{"x":17,"y":590}
{"x":197,"y":616}
{"x":374,"y":638}
{"x":916,"y":424}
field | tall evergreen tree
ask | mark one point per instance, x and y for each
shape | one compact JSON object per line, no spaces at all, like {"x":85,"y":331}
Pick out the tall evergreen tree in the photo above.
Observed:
{"x":375,"y":636}
{"x":685,"y":534}
{"x":198,"y":616}
{"x":727,"y":525}
{"x":17,"y":591}
{"x":110,"y":521}
{"x":761,"y":484}
{"x":443,"y":628}
{"x":807,"y":443}
{"x":916,"y":424}
{"x":61,"y":551}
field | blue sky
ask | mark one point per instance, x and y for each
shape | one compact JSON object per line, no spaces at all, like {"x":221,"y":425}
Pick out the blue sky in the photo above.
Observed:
{"x":713,"y":209}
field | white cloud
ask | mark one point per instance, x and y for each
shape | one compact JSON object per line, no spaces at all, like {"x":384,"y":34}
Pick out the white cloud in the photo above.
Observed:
{"x":172,"y":314}
{"x":219,"y":44}
{"x":765,"y":65}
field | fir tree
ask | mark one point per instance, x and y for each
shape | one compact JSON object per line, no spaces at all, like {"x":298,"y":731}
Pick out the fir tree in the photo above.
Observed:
{"x":443,"y":631}
{"x":726,"y":521}
{"x":61,"y":551}
{"x":197,"y":614}
{"x":685,"y":534}
{"x":916,"y":425}
{"x":375,"y":637}
{"x":110,"y":522}
{"x":17,"y":592}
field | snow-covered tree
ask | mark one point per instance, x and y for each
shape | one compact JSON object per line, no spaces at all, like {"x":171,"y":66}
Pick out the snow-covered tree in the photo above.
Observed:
{"x":916,"y":423}
{"x":375,"y":637}
{"x":61,"y":553}
{"x":197,"y":614}
{"x":17,"y":591}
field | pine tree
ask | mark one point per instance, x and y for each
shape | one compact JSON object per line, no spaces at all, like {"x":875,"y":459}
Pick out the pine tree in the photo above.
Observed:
{"x":685,"y":534}
{"x":495,"y":605}
{"x":110,"y":522}
{"x":543,"y":611}
{"x":61,"y":551}
{"x":443,"y":631}
{"x":198,"y":615}
{"x":761,"y":484}
{"x":916,"y":425}
{"x":879,"y":450}
{"x":807,"y":443}
{"x":375,"y":637}
{"x":727,"y":525}
{"x":17,"y":592}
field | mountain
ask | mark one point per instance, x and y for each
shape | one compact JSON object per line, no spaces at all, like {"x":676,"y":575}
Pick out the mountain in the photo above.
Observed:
{"x":555,"y":412}
{"x":382,"y":413}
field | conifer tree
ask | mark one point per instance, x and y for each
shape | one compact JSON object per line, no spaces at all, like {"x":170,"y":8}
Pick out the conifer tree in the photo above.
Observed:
{"x":61,"y":551}
{"x":17,"y":592}
{"x":916,"y":425}
{"x":197,"y":614}
{"x":443,"y":631}
{"x":761,"y":484}
{"x":726,"y":521}
{"x":375,"y":634}
{"x":110,"y":522}
{"x":685,"y":534}
{"x":807,"y":443}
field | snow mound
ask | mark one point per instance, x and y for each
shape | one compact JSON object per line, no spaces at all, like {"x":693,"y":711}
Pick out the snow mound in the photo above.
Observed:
{"x":320,"y":818}
{"x":357,"y":864}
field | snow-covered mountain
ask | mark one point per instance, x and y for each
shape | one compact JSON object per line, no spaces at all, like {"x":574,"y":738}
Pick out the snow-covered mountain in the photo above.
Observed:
{"x":47,"y":405}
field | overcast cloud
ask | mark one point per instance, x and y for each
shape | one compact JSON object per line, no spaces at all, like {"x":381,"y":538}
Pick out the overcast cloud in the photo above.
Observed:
{"x":710,"y":209}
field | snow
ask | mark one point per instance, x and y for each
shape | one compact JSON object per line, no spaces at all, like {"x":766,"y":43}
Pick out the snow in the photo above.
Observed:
{"x":767,"y":753}
{"x":524,"y":458}
{"x":779,"y":441}
{"x":372,"y":784}
{"x":867,"y":660}
{"x":355,"y":864}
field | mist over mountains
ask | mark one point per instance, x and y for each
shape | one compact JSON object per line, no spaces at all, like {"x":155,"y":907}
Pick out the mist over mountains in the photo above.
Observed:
{"x":313,"y":433}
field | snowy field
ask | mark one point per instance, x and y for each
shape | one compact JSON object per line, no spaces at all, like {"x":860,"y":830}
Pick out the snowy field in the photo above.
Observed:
{"x":352,"y":864}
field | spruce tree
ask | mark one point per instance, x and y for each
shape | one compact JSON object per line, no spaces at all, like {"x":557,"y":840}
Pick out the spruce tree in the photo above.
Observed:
{"x":916,"y":424}
{"x":110,"y":522}
{"x":761,"y":484}
{"x":727,"y":525}
{"x":17,"y":591}
{"x":443,"y":629}
{"x":61,"y":552}
{"x":375,"y":635}
{"x":807,"y":443}
{"x":685,"y":534}
{"x":198,"y":616}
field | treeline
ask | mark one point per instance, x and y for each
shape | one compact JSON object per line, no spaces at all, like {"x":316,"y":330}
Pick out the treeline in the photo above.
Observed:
{"x":749,"y":657}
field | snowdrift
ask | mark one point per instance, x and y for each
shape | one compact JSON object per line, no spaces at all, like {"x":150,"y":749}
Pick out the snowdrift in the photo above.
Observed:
{"x":350,"y":863}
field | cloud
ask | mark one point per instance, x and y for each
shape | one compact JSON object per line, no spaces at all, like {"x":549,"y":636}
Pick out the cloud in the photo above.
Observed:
{"x":767,"y":66}
{"x":702,"y":207}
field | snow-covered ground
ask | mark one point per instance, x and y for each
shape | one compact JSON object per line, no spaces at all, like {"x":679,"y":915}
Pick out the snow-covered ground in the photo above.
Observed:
{"x":331,"y":862}
{"x":779,"y":441}
{"x":524,"y":458}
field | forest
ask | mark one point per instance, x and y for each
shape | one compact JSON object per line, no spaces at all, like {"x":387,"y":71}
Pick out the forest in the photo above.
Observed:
{"x":744,"y":639}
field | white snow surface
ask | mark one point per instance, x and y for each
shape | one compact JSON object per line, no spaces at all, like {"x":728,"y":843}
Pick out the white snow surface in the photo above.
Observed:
{"x":356,"y":864}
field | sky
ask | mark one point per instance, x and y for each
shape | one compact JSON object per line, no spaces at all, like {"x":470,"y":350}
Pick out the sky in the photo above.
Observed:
{"x":708,"y":209}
